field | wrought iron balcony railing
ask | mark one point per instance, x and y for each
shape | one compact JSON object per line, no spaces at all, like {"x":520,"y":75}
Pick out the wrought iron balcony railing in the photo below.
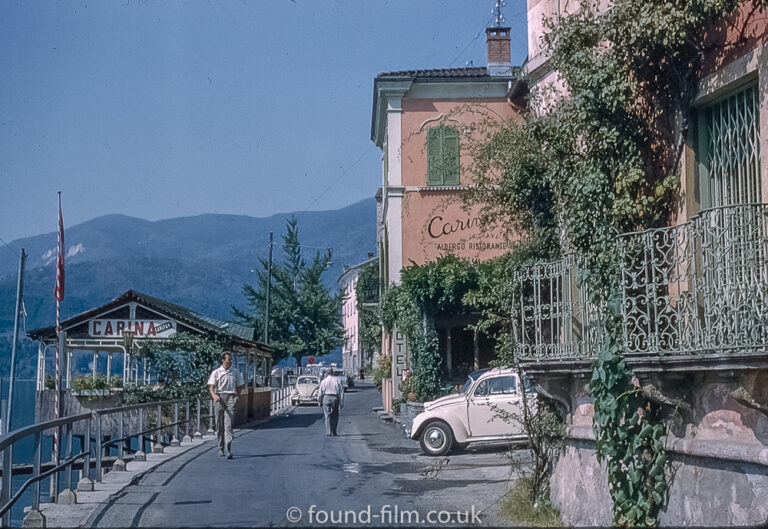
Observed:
{"x":700,"y":287}
{"x":556,"y":320}
{"x":372,"y":287}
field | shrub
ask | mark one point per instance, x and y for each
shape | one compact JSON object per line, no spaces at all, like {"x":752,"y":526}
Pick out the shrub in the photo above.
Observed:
{"x":383,"y":370}
{"x":519,"y":507}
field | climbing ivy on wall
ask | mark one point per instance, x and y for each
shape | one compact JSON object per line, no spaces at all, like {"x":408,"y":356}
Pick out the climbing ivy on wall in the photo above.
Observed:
{"x":600,"y":156}
{"x":370,"y":324}
{"x":426,"y":292}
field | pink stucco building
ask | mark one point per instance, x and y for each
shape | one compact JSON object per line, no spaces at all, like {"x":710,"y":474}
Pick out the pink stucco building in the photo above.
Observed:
{"x":354,"y":355}
{"x":697,"y":331}
{"x":423,"y":121}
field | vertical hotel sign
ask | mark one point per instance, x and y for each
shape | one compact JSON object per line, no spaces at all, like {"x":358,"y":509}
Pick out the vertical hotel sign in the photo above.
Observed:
{"x":398,"y":360}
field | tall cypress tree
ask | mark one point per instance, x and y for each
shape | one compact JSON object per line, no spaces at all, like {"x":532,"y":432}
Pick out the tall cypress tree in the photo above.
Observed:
{"x":304,"y":316}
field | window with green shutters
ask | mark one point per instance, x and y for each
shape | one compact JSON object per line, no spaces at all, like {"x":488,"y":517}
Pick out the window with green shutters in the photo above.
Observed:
{"x":443,"y":156}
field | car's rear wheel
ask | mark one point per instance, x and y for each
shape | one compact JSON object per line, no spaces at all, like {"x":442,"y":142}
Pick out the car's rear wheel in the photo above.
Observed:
{"x":436,"y":439}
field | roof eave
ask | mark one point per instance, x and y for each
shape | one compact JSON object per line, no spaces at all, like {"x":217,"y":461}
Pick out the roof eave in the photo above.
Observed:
{"x":383,"y":89}
{"x":355,"y":267}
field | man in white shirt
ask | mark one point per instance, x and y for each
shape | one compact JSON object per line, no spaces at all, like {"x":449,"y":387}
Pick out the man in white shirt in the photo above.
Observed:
{"x":330,"y":395}
{"x":224,"y":384}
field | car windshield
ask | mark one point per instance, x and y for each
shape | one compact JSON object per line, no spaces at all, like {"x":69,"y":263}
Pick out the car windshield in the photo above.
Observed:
{"x":307,"y":380}
{"x":470,"y":380}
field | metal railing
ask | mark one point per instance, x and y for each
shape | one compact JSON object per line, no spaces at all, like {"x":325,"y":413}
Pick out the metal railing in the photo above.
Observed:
{"x":700,"y":287}
{"x":108,"y":426}
{"x":280,"y":398}
{"x":7,"y":497}
{"x":555,"y":319}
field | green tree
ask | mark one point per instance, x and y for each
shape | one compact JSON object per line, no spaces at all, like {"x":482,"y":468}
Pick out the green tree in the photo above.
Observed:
{"x":426,"y":291}
{"x":304,"y":316}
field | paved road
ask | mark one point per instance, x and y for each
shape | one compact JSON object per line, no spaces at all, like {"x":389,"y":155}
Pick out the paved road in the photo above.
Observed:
{"x":369,"y":470}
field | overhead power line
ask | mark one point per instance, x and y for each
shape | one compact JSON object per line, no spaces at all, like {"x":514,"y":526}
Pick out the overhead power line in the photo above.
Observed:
{"x":318,"y":197}
{"x":14,"y":252}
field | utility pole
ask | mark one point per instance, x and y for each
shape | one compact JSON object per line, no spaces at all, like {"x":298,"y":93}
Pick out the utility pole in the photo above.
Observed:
{"x":19,"y":290}
{"x":269,"y":283}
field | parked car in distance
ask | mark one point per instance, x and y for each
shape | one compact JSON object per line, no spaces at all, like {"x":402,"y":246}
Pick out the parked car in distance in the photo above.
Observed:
{"x":305,"y":390}
{"x":482,"y":410}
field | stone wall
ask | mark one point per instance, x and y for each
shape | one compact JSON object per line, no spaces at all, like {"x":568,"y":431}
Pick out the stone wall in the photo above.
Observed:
{"x":717,"y":445}
{"x":579,"y":486}
{"x":715,"y":489}
{"x":408,"y":412}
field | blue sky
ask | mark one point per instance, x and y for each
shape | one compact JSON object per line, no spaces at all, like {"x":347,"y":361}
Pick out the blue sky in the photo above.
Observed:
{"x":160,"y":109}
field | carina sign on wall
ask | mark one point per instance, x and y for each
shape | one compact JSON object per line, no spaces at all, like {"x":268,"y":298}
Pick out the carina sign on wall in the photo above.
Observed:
{"x":441,"y":226}
{"x":108,"y":328}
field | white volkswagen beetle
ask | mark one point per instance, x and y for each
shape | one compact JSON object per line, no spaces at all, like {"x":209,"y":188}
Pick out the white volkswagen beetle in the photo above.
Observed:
{"x":305,"y":390}
{"x":484,"y":409}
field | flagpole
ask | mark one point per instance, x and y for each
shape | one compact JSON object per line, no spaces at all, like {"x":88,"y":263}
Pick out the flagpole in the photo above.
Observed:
{"x":19,"y":293}
{"x":59,"y":295}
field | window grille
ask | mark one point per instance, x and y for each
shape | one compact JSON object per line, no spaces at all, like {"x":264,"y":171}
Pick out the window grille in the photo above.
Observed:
{"x":730,"y":150}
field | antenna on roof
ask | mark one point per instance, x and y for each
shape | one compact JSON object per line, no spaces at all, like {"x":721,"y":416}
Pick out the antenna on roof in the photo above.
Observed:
{"x":496,"y":12}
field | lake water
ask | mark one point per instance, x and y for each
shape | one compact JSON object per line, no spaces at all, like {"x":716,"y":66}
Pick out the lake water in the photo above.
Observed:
{"x":23,"y":451}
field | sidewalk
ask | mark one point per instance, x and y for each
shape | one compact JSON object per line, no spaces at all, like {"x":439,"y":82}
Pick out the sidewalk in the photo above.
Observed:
{"x":89,"y":503}
{"x":112,"y":483}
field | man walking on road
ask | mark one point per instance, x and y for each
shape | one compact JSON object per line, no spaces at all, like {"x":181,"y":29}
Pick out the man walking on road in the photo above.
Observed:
{"x":224,"y":385}
{"x":330,"y":395}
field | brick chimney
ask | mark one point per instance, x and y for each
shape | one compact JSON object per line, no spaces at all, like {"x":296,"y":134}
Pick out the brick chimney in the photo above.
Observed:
{"x":498,"y":51}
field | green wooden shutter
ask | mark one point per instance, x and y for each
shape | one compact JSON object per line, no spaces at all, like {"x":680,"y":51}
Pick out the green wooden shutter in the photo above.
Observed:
{"x":434,"y":157}
{"x":450,"y":156}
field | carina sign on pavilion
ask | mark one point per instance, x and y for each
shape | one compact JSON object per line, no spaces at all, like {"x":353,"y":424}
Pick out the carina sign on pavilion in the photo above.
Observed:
{"x":113,"y":328}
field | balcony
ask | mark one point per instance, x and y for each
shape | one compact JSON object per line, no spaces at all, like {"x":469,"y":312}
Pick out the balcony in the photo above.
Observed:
{"x":556,"y":320}
{"x":695,"y":289}
{"x":371,"y":290}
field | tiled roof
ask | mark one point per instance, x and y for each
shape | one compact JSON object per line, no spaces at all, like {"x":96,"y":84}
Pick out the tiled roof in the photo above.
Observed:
{"x":442,"y":73}
{"x":475,"y":71}
{"x":213,"y":324}
{"x":235,"y":329}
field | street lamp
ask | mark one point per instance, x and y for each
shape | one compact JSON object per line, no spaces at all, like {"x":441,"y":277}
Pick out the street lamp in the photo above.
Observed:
{"x":128,"y":344}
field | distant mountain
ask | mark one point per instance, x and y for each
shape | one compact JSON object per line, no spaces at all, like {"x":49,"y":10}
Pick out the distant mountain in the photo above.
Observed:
{"x":198,"y":262}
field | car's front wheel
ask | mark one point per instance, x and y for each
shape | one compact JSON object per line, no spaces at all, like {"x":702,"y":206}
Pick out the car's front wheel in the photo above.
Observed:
{"x":436,"y":439}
